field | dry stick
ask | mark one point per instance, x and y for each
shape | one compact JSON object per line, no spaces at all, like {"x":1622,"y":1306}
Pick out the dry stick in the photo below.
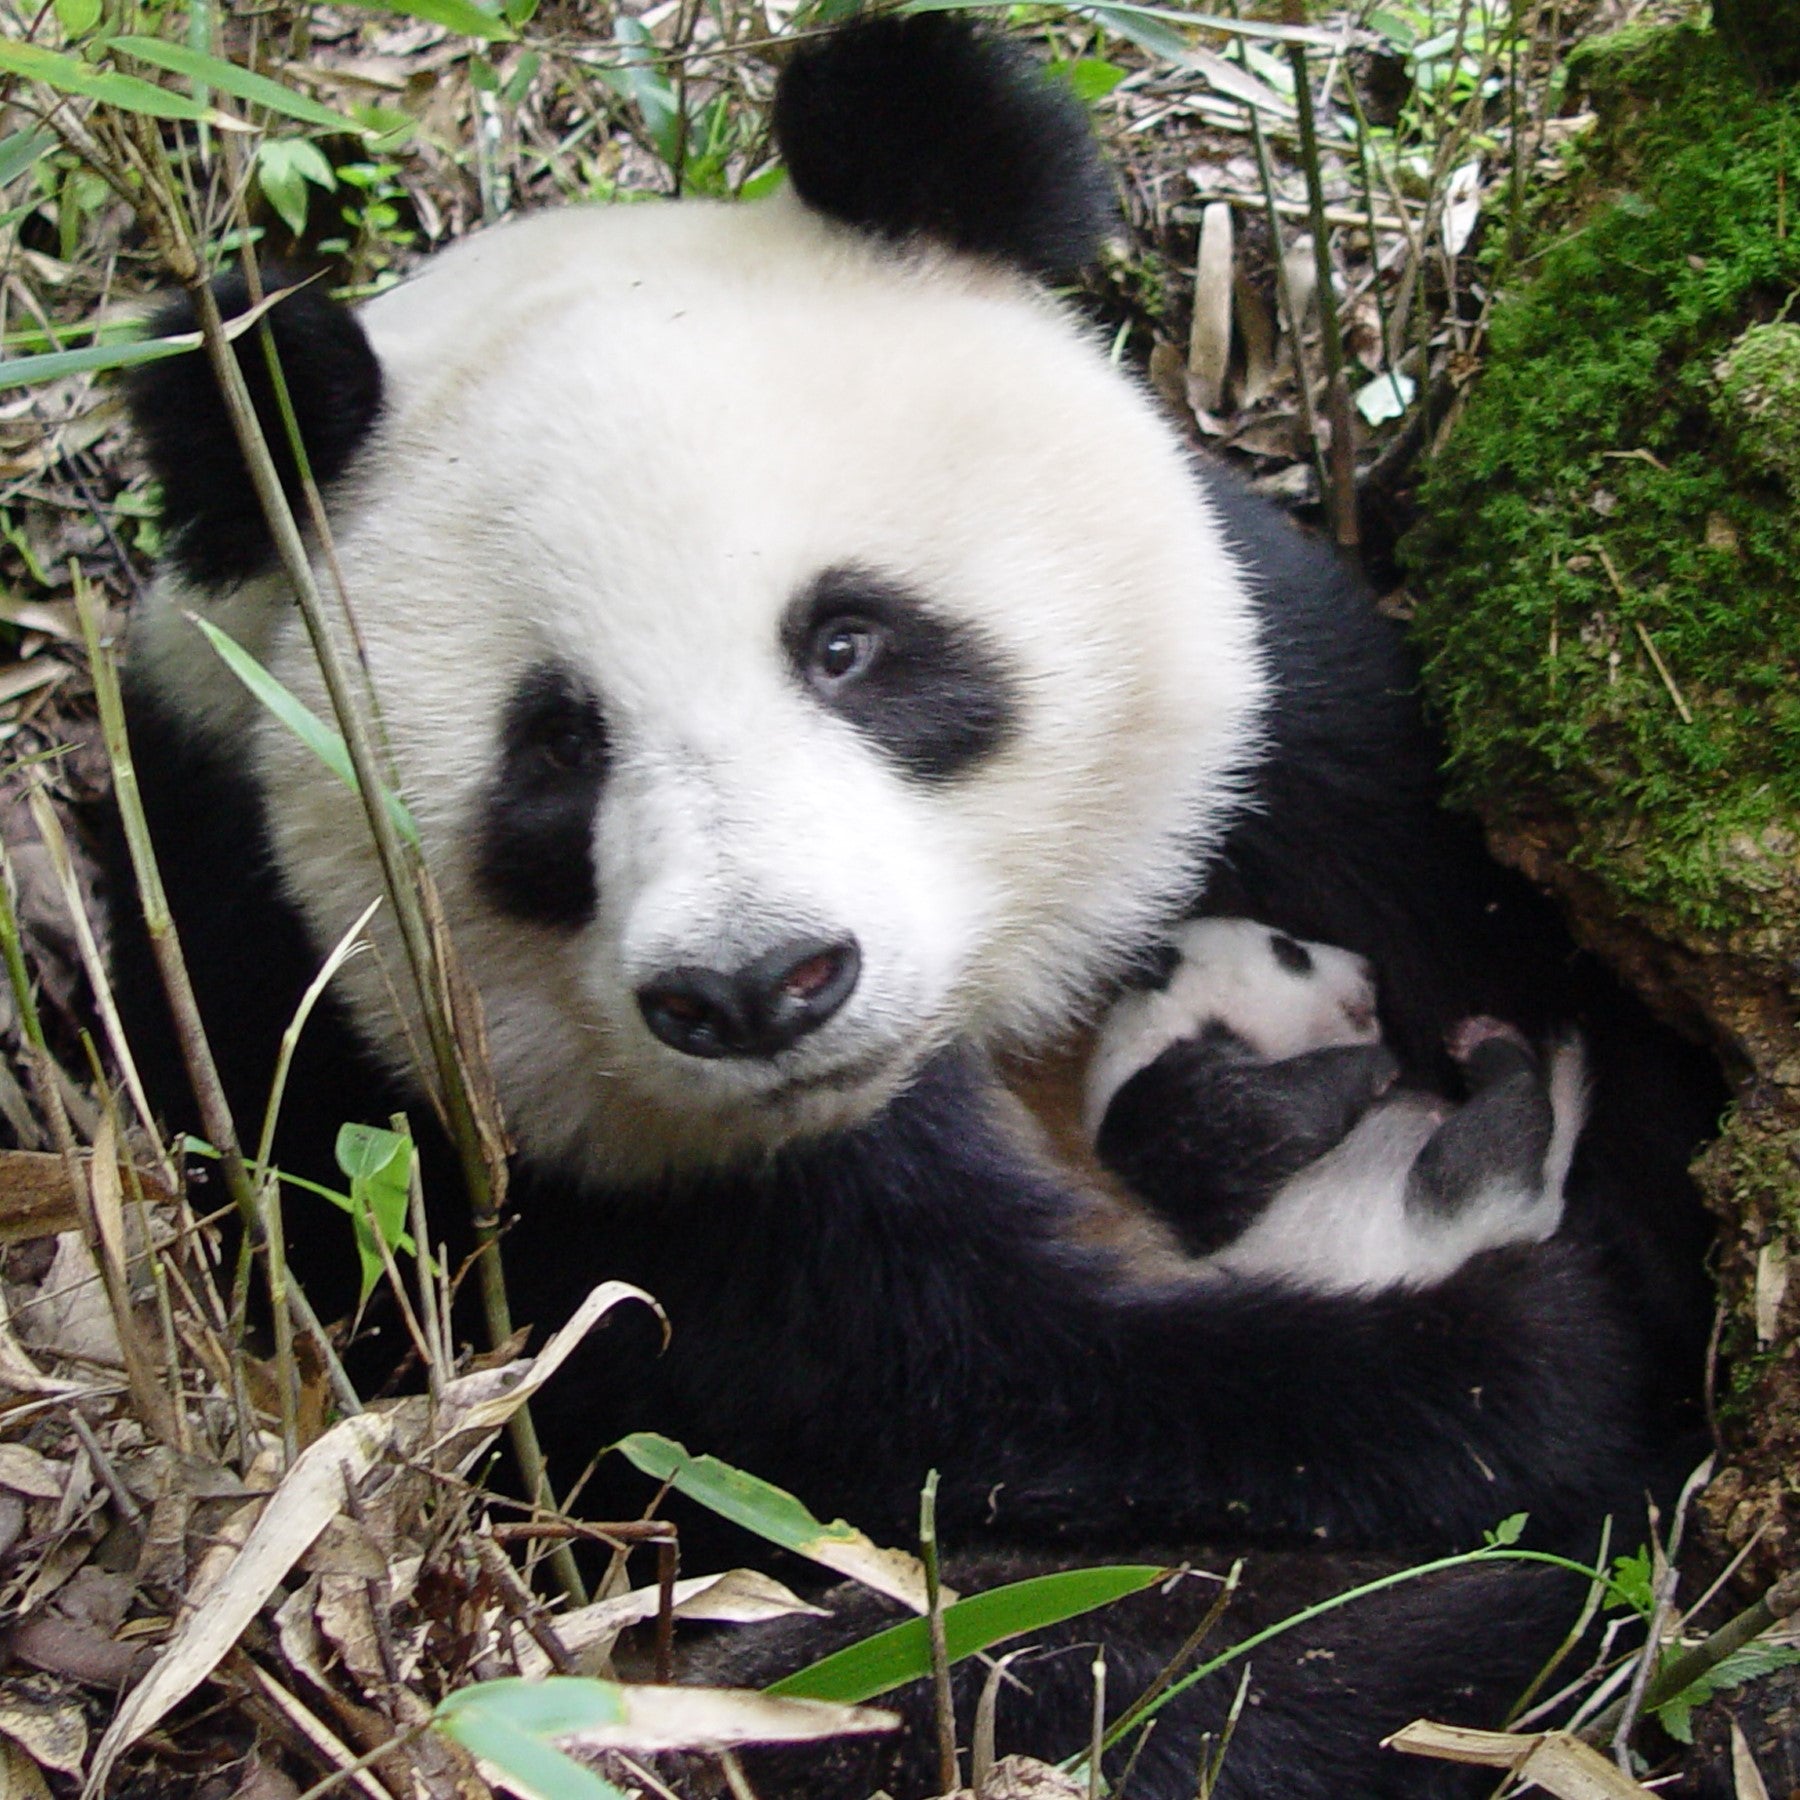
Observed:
{"x":521,"y":1603}
{"x":1589,"y":1607}
{"x":1189,"y":1645}
{"x":140,"y":1372}
{"x":430,"y":1312}
{"x":1679,"y":1673}
{"x":1337,"y":393}
{"x":57,"y":844}
{"x":1662,"y":668}
{"x":1097,"y":1724}
{"x":949,"y":1778}
{"x":1667,"y":1576}
{"x":1384,"y":318}
{"x":1284,"y":292}
{"x":171,"y":967}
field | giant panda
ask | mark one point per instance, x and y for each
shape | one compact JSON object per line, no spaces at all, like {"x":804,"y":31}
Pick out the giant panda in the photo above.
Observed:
{"x":816,"y":673}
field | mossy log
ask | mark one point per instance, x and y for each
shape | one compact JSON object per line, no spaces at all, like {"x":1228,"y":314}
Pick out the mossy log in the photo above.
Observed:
{"x":1608,"y":578}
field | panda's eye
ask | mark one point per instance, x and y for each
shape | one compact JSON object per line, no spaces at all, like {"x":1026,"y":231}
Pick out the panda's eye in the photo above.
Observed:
{"x":843,"y":650}
{"x":1291,"y":953}
{"x":569,"y":749}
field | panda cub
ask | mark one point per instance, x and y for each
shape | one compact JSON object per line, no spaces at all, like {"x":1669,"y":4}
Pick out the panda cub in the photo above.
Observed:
{"x":1243,"y":1089}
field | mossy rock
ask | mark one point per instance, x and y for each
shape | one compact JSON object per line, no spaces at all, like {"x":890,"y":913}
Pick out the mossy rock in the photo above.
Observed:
{"x":1607,"y":574}
{"x":1759,"y":400}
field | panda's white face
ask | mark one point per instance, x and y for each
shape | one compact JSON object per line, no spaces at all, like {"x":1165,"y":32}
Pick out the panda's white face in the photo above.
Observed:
{"x":751,"y":604}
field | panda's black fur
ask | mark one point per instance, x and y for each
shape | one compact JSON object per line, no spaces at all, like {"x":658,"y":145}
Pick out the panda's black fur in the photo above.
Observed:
{"x":912,"y":1293}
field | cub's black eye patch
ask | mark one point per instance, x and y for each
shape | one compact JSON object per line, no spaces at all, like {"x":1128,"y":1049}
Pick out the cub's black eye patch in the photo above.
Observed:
{"x":930,"y":693}
{"x":1153,"y":968}
{"x":536,"y":840}
{"x":1291,"y":953}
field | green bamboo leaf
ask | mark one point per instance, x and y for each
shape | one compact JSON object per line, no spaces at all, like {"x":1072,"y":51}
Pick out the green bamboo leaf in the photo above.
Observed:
{"x":241,"y":84}
{"x":1091,"y":77}
{"x":544,"y":1708}
{"x":22,"y":371}
{"x":604,"y":1715}
{"x":325,"y":743}
{"x":285,"y":169}
{"x":22,"y":151}
{"x":532,"y":1766}
{"x":455,"y":15}
{"x":69,"y":75}
{"x":773,"y":1513}
{"x":379,"y":1164}
{"x":77,"y":17}
{"x":902,"y":1653}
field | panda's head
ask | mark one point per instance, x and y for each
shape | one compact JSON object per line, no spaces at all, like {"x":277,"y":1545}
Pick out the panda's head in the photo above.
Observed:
{"x":1276,"y":996}
{"x":800,"y":648}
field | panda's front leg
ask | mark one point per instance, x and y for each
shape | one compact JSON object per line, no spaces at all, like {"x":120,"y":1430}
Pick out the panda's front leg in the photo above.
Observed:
{"x":1207,"y":1134}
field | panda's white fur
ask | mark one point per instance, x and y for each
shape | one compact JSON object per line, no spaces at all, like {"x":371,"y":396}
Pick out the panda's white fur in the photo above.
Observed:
{"x":687,"y":412}
{"x":1342,"y":1225}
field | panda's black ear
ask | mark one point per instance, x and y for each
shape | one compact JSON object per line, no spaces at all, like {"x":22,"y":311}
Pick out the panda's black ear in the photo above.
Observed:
{"x":927,"y":125}
{"x":210,"y":510}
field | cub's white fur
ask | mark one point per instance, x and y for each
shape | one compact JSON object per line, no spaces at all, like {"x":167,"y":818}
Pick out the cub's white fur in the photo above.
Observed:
{"x":1342,"y":1224}
{"x":1228,"y":972}
{"x":627,"y":438}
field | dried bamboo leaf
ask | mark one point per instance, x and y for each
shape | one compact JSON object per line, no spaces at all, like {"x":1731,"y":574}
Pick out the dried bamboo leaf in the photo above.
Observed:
{"x":483,"y":1402}
{"x":50,"y":1727}
{"x":1559,"y":1763}
{"x":310,"y":1495}
{"x":1746,"y":1777}
{"x":20,"y":1777}
{"x":1209,"y":340}
{"x":25,"y":1472}
{"x":738,"y":1597}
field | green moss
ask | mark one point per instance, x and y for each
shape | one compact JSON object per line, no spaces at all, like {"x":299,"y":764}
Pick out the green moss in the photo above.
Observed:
{"x":1608,"y":500}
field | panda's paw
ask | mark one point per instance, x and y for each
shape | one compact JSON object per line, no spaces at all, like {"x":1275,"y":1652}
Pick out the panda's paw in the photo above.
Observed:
{"x":1491,"y":1052}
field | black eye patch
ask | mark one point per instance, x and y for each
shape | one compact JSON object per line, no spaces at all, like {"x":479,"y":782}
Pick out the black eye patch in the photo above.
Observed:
{"x":1291,"y":953}
{"x":1153,"y":968}
{"x":536,"y":837}
{"x":929,"y":693}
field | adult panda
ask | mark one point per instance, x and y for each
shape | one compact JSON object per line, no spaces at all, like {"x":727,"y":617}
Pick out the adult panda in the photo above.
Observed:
{"x":815,"y":670}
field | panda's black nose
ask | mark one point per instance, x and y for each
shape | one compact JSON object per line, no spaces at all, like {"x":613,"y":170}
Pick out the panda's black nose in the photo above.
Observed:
{"x":758,"y":1010}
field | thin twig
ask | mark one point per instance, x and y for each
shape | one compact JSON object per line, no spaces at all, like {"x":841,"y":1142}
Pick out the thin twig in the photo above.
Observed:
{"x":165,"y":945}
{"x":949,"y":1780}
{"x":1097,"y":1724}
{"x":1679,"y":1673}
{"x":1662,"y":668}
{"x":1345,"y":525}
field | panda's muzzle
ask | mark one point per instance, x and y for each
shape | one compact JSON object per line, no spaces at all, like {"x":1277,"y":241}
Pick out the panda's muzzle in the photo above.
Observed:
{"x":759,"y":1010}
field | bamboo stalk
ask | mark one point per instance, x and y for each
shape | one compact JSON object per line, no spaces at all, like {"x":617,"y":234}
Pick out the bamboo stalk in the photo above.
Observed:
{"x":171,"y":966}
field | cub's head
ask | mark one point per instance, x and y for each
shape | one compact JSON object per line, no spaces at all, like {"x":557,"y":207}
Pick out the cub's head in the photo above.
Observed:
{"x":1276,"y":996}
{"x":800,"y":648}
